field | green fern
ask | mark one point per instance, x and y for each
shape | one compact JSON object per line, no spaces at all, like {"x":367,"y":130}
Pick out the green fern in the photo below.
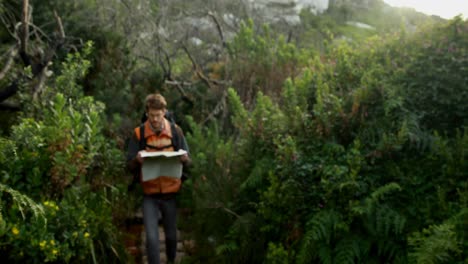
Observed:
{"x":307,"y":252}
{"x":227,"y":248}
{"x":23,"y":202}
{"x":239,"y":244}
{"x":382,"y":224}
{"x":435,"y":244}
{"x":346,"y":251}
{"x":324,"y":253}
{"x":324,"y":225}
{"x":321,"y":231}
{"x":257,"y":174}
{"x":440,"y":243}
{"x":374,"y":198}
{"x":383,"y":190}
{"x":388,"y":220}
{"x":361,"y":246}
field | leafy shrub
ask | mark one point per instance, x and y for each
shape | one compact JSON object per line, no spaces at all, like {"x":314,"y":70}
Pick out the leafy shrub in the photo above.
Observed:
{"x":345,"y":167}
{"x":58,"y":156}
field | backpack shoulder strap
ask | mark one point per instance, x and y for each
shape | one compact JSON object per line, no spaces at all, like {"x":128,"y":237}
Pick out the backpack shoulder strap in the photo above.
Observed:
{"x":175,"y":137}
{"x":142,"y":142}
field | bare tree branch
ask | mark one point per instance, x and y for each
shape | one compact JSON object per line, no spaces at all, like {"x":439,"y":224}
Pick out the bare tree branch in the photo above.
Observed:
{"x":37,"y":89}
{"x":7,"y":106}
{"x":12,"y":54}
{"x":59,"y":24}
{"x":8,"y":91}
{"x":39,"y":59}
{"x":167,"y":70}
{"x":220,"y":106}
{"x":25,"y":27}
{"x":182,"y":83}
{"x":178,"y":86}
{"x":8,"y":20}
{"x":219,"y":205}
{"x":197,"y":69}
{"x":127,"y":5}
{"x":218,"y":27}
{"x":37,"y":33}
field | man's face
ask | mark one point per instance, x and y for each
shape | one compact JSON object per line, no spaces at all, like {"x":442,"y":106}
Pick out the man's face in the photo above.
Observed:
{"x":156,"y":117}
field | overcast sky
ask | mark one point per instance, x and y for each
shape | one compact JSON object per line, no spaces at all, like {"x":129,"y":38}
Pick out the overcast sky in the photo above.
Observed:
{"x":443,"y":8}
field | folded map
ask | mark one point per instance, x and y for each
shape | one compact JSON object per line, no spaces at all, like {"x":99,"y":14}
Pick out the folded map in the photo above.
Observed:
{"x":161,"y":163}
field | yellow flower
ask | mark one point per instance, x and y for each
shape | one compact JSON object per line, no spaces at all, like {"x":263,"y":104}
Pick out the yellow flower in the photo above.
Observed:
{"x":86,"y":234}
{"x":55,"y":252}
{"x":56,"y":208}
{"x":52,"y":242}
{"x":43,"y":243}
{"x":15,"y":231}
{"x":46,"y":203}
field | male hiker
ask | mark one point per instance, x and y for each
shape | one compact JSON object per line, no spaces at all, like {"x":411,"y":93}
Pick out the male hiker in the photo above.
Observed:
{"x":157,"y":134}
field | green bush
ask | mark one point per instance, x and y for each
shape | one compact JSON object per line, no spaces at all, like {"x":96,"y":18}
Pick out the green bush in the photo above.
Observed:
{"x":57,"y":154}
{"x":355,"y":162}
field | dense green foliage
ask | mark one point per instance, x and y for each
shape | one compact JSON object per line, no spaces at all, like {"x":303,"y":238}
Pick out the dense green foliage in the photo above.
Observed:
{"x":361,"y":160}
{"x":57,"y":155}
{"x":333,"y":144}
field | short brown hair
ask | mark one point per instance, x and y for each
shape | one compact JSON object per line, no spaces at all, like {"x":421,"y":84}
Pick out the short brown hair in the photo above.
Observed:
{"x":155,"y":101}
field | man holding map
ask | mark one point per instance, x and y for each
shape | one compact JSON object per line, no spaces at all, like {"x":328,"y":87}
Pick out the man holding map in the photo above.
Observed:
{"x":157,"y":152}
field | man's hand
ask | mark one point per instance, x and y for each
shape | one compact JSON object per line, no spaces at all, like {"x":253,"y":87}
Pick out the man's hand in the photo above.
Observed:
{"x":184,"y":158}
{"x":139,"y":158}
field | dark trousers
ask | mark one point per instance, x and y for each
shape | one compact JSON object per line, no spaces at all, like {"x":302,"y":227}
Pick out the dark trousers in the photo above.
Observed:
{"x":152,"y":208}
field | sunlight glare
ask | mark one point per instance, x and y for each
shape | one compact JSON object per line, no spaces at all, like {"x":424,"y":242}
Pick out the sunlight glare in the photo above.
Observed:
{"x":446,"y":9}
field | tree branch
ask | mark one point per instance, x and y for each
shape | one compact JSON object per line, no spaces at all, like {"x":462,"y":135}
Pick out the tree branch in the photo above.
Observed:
{"x":178,"y":83}
{"x":38,"y":29}
{"x":218,"y":27}
{"x":25,"y":26}
{"x":8,"y":91}
{"x":12,"y":53}
{"x":197,"y":69}
{"x":37,"y":89}
{"x":6,"y":106}
{"x":168,"y":70}
{"x":219,"y":205}
{"x":59,"y":24}
{"x":8,"y":21}
{"x":221,"y":105}
{"x":48,"y":58}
